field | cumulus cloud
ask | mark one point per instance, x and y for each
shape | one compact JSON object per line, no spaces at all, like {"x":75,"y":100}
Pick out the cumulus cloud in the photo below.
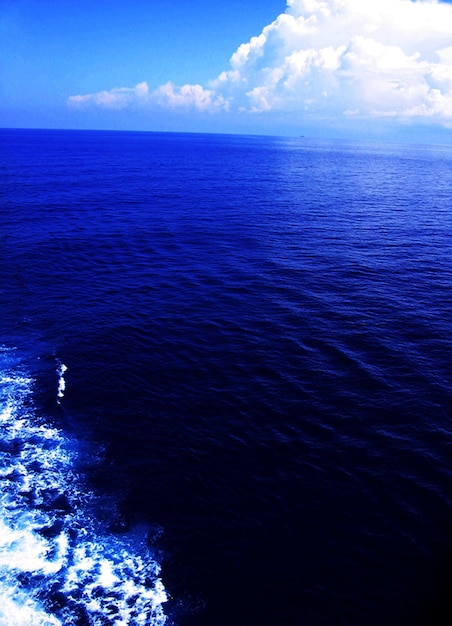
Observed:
{"x":327,"y":59}
{"x":348,"y":57}
{"x":194,"y":96}
{"x":168,"y":96}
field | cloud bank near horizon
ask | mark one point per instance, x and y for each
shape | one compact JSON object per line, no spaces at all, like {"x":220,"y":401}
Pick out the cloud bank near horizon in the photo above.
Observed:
{"x":325,"y":59}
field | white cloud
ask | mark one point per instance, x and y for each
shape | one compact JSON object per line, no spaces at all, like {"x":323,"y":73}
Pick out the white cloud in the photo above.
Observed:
{"x":330,"y":57}
{"x":188,"y":96}
{"x":119,"y":98}
{"x":167,"y":96}
{"x":327,"y":59}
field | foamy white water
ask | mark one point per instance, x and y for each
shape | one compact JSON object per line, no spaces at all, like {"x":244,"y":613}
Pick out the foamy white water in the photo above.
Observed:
{"x":62,"y":368}
{"x":58,"y":564}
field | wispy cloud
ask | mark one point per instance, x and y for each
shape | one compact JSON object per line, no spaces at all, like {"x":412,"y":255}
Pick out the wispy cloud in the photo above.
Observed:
{"x":326,"y":59}
{"x":118,"y":98}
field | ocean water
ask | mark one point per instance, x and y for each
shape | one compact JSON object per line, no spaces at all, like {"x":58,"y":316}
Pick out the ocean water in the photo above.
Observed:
{"x":226,"y":380}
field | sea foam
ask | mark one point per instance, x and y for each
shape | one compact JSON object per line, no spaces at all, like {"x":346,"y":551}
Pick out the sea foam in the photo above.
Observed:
{"x":58,"y":563}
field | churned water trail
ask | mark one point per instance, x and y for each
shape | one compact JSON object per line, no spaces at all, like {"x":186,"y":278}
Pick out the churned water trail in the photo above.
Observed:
{"x":60,"y":562}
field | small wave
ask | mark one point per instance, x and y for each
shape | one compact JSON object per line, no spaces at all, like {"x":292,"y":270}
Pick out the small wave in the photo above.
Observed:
{"x":62,"y":368}
{"x":58,"y":565}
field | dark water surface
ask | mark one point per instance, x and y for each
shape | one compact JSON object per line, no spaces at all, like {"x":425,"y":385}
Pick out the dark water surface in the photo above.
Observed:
{"x":231,"y":358}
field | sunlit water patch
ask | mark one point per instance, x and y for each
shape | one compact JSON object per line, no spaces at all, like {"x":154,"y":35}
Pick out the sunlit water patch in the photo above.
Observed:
{"x":58,"y":562}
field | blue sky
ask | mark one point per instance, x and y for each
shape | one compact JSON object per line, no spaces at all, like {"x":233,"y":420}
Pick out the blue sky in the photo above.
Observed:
{"x":316,"y":67}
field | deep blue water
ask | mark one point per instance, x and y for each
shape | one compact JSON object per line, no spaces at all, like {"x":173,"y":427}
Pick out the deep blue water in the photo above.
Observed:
{"x":226,"y":380}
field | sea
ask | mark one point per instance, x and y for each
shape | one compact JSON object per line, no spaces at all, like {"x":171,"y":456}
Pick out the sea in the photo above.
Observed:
{"x":225,"y":380}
